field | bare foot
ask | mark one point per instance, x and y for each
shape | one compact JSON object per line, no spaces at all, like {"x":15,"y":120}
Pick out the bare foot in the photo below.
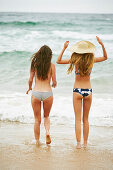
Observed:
{"x":78,"y":145}
{"x":48,"y":139}
{"x":37,"y":142}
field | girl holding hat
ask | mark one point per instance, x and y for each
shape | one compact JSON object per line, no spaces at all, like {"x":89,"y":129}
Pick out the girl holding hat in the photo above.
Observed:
{"x":82,"y":60}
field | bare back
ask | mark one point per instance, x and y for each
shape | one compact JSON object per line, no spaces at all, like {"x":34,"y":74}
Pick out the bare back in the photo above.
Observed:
{"x":44,"y":85}
{"x":82,"y":82}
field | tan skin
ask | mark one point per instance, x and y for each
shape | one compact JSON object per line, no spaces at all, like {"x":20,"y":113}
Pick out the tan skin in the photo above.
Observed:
{"x":82,"y":82}
{"x":42,"y":86}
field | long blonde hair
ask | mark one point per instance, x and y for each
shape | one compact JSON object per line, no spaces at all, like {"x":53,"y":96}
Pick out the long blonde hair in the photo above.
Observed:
{"x":84,"y":62}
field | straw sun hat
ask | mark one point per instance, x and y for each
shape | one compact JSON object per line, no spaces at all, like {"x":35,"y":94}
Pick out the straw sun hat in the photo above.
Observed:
{"x":82,"y":47}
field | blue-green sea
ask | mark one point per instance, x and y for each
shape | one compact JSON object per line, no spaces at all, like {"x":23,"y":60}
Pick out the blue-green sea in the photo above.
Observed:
{"x":22,"y":34}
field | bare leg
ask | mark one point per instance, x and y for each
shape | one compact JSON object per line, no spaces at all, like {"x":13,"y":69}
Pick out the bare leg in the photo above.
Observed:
{"x":77,"y":104}
{"x":47,"y":124}
{"x":86,"y":108}
{"x":36,"y":105}
{"x":47,"y":104}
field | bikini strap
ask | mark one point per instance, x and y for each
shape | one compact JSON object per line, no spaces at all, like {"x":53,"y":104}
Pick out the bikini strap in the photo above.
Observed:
{"x":77,"y":71}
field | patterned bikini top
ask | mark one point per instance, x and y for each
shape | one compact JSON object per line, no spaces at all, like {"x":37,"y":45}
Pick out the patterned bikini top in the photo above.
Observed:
{"x":77,"y":71}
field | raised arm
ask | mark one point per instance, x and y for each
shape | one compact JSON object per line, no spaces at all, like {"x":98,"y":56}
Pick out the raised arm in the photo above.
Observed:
{"x":54,"y":82}
{"x":30,"y":82}
{"x":59,"y":60}
{"x":104,"y":57}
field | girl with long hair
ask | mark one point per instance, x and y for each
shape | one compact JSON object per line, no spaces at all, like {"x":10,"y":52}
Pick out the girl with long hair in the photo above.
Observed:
{"x":43,"y":71}
{"x":82,"y":60}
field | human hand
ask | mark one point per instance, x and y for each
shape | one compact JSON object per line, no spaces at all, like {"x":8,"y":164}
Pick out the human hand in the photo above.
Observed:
{"x":28,"y":90}
{"x":66,"y":44}
{"x":99,"y":40}
{"x":54,"y":84}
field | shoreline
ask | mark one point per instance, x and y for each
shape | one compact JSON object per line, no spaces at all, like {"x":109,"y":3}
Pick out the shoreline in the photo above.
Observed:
{"x":18,"y":149}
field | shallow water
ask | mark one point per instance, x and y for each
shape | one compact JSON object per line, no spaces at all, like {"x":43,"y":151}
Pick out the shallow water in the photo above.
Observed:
{"x":21,"y":34}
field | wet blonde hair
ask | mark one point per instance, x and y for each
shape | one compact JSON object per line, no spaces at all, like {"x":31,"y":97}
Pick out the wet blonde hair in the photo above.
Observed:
{"x":84,"y":62}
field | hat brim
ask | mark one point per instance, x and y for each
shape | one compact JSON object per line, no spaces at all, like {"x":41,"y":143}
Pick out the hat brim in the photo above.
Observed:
{"x":76,"y":48}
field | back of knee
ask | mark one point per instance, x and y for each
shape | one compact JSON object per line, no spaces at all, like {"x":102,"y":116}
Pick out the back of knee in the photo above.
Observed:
{"x":85,"y":121}
{"x":38,"y":121}
{"x":46,"y":115}
{"x":78,"y":121}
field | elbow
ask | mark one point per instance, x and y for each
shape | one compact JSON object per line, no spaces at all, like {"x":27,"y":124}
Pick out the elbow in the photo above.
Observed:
{"x":58,"y":62}
{"x":106,"y":57}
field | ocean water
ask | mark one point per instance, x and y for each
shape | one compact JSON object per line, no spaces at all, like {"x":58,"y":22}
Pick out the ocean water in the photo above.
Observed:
{"x":22,"y":34}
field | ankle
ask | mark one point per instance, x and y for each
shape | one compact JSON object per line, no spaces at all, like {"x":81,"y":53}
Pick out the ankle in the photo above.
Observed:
{"x":78,"y":145}
{"x":37,"y":141}
{"x":47,"y":133}
{"x":85,"y":143}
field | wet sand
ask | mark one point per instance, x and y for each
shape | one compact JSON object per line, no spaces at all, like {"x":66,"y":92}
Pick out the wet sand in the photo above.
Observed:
{"x":18,"y":150}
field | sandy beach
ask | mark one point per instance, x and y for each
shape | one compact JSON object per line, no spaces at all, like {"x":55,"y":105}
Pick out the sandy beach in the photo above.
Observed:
{"x":21,"y":35}
{"x":18,"y":150}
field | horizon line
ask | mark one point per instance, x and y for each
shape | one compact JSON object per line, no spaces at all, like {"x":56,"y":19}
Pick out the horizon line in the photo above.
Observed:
{"x":55,"y":12}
